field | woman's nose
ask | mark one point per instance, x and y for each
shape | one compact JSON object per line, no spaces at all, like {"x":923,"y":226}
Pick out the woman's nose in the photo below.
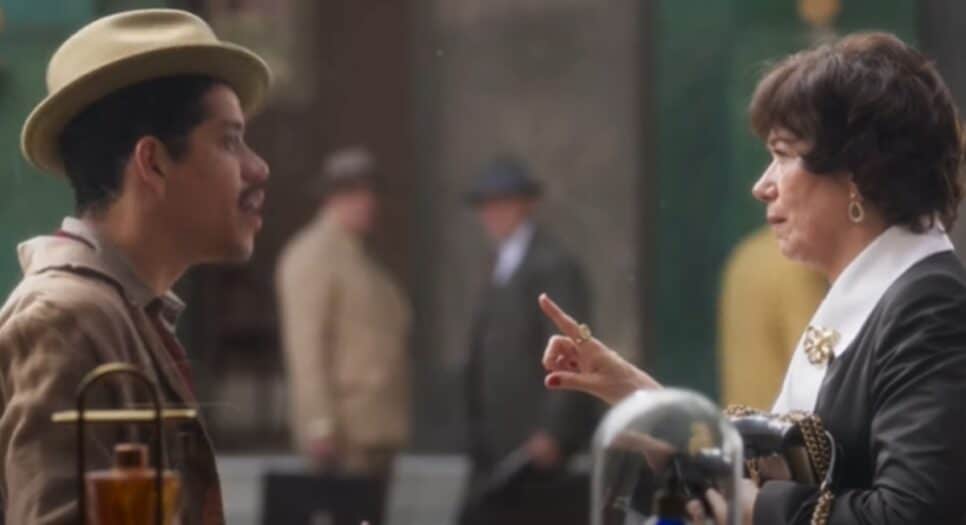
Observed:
{"x":765,"y":188}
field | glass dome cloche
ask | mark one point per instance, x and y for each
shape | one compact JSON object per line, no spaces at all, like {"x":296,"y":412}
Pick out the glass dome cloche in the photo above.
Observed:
{"x":665,"y":457}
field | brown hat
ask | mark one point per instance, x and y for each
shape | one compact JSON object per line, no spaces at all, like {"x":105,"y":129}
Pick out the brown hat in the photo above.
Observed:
{"x":121,"y":50}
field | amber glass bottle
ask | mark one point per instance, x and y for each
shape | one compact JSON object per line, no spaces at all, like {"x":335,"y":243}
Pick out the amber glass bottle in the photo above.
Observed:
{"x":125,"y":495}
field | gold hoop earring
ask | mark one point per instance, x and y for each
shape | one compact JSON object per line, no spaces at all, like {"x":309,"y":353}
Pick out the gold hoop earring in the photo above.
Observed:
{"x":856,"y":211}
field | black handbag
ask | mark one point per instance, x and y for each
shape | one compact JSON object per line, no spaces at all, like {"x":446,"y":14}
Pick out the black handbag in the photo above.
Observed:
{"x":304,"y":498}
{"x":792,"y":446}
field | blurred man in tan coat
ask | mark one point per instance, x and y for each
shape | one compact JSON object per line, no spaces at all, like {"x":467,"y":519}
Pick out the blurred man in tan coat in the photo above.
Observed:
{"x":345,"y":325}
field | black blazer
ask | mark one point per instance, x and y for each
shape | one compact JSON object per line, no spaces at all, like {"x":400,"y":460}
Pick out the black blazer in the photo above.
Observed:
{"x":895,"y":402}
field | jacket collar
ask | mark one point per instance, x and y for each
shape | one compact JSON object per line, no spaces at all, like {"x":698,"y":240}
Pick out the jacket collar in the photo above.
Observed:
{"x":329,"y":226}
{"x":851,"y":300}
{"x":81,"y":247}
{"x":857,"y":291}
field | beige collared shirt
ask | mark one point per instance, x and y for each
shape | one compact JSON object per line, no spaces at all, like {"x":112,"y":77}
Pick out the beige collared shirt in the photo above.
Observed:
{"x":119,"y":268}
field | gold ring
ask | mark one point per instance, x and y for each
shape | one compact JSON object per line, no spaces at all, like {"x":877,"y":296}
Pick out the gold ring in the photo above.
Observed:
{"x":584,"y":334}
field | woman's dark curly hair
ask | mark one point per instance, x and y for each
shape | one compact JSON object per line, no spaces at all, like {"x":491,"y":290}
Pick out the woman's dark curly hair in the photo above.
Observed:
{"x":876,"y":108}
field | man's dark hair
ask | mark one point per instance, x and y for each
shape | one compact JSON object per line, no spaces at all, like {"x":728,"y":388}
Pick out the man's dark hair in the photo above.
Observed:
{"x":96,"y":145}
{"x":876,"y":108}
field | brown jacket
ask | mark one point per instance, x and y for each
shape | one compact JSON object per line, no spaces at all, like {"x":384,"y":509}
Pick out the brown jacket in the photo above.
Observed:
{"x":78,"y":306}
{"x":345,"y":325}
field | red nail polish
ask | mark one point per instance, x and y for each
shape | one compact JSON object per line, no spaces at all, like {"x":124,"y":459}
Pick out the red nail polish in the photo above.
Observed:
{"x":554,"y":381}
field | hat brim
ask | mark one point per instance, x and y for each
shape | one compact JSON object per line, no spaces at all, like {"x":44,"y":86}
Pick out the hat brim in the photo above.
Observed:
{"x":247,"y":74}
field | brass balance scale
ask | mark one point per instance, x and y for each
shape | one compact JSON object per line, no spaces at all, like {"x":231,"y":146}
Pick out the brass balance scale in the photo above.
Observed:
{"x":127,"y":493}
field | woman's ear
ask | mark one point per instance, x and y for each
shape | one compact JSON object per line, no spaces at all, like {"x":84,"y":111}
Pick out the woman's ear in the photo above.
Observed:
{"x":854,"y":193}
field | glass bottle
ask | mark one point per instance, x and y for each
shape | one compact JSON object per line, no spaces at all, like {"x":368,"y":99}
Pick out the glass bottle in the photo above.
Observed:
{"x":125,"y":493}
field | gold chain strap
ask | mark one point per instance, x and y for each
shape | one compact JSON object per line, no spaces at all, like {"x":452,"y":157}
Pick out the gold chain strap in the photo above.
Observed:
{"x":816,"y":444}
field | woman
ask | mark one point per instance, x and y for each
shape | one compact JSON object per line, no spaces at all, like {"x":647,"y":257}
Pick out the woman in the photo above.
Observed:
{"x":863,"y":183}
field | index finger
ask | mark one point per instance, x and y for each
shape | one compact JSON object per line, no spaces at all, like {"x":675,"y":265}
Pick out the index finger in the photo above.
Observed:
{"x":718,"y":505}
{"x":566,"y":324}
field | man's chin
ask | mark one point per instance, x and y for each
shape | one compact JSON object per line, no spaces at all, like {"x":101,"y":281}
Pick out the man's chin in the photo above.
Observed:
{"x":238,"y":252}
{"x":243,"y":253}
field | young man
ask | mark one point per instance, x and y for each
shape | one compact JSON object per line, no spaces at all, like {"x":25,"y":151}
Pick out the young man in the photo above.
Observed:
{"x":145,"y":118}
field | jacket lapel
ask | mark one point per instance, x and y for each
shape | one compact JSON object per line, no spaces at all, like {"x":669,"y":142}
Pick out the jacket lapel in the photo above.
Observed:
{"x":167,"y":370}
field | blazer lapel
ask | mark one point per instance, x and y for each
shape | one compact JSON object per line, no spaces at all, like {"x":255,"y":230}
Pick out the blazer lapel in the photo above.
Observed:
{"x":526,"y":262}
{"x":169,"y":377}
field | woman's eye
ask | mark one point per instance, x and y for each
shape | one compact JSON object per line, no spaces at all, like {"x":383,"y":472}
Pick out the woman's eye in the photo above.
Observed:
{"x":233,"y":142}
{"x":780,"y":154}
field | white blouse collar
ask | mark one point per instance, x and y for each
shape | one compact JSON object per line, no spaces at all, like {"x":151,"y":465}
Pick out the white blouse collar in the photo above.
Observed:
{"x":850,"y":301}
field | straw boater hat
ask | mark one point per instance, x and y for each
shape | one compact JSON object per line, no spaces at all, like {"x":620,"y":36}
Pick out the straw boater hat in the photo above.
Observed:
{"x":125,"y":49}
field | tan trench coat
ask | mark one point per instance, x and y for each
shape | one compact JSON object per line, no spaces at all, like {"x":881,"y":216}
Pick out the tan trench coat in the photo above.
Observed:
{"x":345,"y":325}
{"x":79,"y":305}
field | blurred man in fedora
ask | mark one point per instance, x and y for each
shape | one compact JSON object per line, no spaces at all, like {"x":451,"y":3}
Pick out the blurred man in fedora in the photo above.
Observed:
{"x":145,"y":119}
{"x":345,"y":325}
{"x":520,"y":437}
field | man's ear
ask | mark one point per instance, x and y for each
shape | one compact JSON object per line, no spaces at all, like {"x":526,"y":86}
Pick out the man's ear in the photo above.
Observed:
{"x":151,"y":162}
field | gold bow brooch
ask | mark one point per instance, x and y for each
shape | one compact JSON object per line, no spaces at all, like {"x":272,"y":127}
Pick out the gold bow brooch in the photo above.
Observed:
{"x":819,"y":344}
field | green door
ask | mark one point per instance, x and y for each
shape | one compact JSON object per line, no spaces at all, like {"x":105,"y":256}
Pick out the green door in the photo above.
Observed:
{"x":31,"y":203}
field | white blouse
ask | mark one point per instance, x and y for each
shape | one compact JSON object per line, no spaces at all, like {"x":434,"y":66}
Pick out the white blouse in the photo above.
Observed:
{"x":850,"y":301}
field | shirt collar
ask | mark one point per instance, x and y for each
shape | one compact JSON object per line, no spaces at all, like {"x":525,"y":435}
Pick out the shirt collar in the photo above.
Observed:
{"x":327,"y":223}
{"x":855,"y":293}
{"x":512,"y":252}
{"x":520,"y":238}
{"x":850,"y":301}
{"x":91,"y":250}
